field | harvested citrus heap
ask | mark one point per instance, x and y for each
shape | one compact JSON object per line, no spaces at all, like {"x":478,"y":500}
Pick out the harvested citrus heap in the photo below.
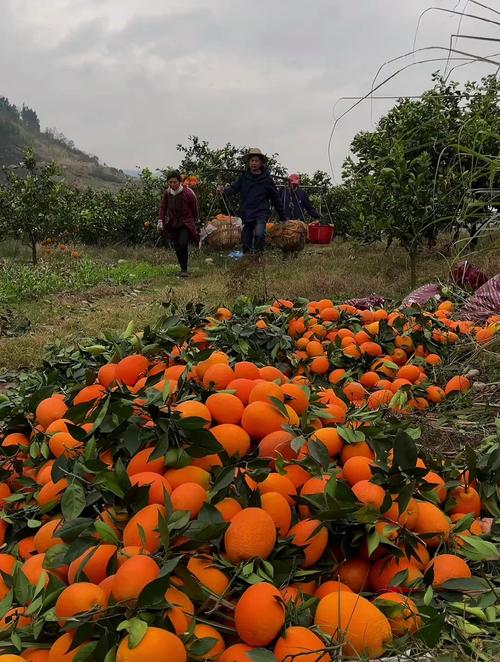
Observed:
{"x":190,"y":504}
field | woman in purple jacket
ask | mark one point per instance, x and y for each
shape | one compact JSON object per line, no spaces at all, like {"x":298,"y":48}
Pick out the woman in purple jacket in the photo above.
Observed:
{"x":177,"y":218}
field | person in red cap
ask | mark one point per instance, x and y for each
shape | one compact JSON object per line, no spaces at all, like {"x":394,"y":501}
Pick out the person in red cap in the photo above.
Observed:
{"x":296,"y":201}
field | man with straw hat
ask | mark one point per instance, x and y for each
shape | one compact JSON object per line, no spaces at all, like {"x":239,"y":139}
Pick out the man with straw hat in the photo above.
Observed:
{"x":257,"y":192}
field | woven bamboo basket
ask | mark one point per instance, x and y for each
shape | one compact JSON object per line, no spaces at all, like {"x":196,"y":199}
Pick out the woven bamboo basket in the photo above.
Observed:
{"x":290,"y":236}
{"x":227,"y":235}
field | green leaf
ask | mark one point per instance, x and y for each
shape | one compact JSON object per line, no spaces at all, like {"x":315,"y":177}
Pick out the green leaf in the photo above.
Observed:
{"x":477,"y":549}
{"x":22,"y":588}
{"x":73,"y":501}
{"x":154,"y":593}
{"x":201,"y":646}
{"x":405,"y":451}
{"x":86,"y":654}
{"x":428,"y":595}
{"x":319,"y":452}
{"x":261,"y":655}
{"x":136,"y":629}
{"x":106,"y":533}
{"x":6,"y":603}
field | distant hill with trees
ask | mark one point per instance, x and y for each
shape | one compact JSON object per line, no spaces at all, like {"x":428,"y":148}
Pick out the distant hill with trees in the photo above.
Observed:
{"x":20,"y":129}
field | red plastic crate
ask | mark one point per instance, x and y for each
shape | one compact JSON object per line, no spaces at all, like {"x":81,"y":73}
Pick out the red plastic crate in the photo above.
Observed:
{"x":320,"y":234}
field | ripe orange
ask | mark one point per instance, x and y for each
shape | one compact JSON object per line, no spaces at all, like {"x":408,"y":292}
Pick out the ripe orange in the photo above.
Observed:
{"x":93,"y":564}
{"x":228,"y":508}
{"x":107,"y":374}
{"x":359,"y":449}
{"x":35,"y":655}
{"x":158,"y":485}
{"x":279,"y":509}
{"x":357,"y":623}
{"x":432,"y":520}
{"x":354,"y":573}
{"x":141,"y":462}
{"x":77,"y":599}
{"x":330,"y":586}
{"x":44,"y":538}
{"x":297,"y":397}
{"x":401,"y":612}
{"x":242,"y":388}
{"x":368,"y":493}
{"x":384,"y":571}
{"x":181,"y":611}
{"x":357,"y":468}
{"x":261,"y":418}
{"x":145,"y":523}
{"x":465,"y":499}
{"x":312,"y":538}
{"x":448,"y":566}
{"x":208,"y":576}
{"x":49,"y":410}
{"x":130,"y":369}
{"x":218,"y":376}
{"x":190,"y":497}
{"x":188,"y":474}
{"x":236,"y":653}
{"x":158,"y":645}
{"x":250,"y":533}
{"x":51,"y":493}
{"x":300,"y":643}
{"x":225,"y":408}
{"x":330,"y":438}
{"x":439,"y":488}
{"x":246,"y":370}
{"x":457,"y":384}
{"x":60,"y":649}
{"x":233,"y":438}
{"x":203,"y":631}
{"x":277,"y":444}
{"x":194,"y":409}
{"x":275,"y":482}
{"x":132,"y":576}
{"x":379,"y":398}
{"x":89,"y":394}
{"x":265,"y":600}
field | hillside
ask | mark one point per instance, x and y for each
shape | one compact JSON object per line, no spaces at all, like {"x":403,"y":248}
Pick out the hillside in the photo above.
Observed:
{"x":20,"y":128}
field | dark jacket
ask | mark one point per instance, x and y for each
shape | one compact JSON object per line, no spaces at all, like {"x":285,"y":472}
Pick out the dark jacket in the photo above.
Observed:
{"x":297,"y":204}
{"x":188,"y":215}
{"x":257,"y":193}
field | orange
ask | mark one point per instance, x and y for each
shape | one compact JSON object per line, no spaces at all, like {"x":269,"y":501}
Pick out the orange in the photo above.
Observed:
{"x":314,"y":348}
{"x":440,"y":488}
{"x":228,"y":508}
{"x":181,"y":611}
{"x":35,"y":655}
{"x":236,"y":653}
{"x":312,"y":538}
{"x":336,"y":375}
{"x":190,"y":497}
{"x":202,"y":631}
{"x":330,"y":586}
{"x":93,"y":564}
{"x":279,"y":509}
{"x":141,"y":462}
{"x":218,"y":376}
{"x":277,"y":444}
{"x":300,"y":643}
{"x":385,"y":570}
{"x":51,"y":493}
{"x":60,"y":649}
{"x":79,"y":599}
{"x":246,"y":370}
{"x":319,"y":365}
{"x":465,"y":499}
{"x":89,"y":394}
{"x":409,"y":372}
{"x":368,"y":493}
{"x":158,"y":645}
{"x":354,"y":391}
{"x":233,"y":438}
{"x":435,"y":394}
{"x":297,"y":397}
{"x":379,"y":398}
{"x":107,"y":374}
{"x":330,"y":438}
{"x":406,"y":518}
{"x":62,"y":443}
{"x":265,"y":601}
{"x":250,"y":533}
{"x":49,"y":410}
{"x":401,"y":612}
{"x":354,"y":573}
{"x":225,"y":408}
{"x":357,"y":468}
{"x":351,"y":619}
{"x":371,"y":348}
{"x":145,"y":523}
{"x":457,"y":384}
{"x":188,"y":474}
{"x":369,"y":379}
{"x":132,"y":576}
{"x":265,"y":391}
{"x":194,"y":409}
{"x":16,"y":439}
{"x":130,"y":369}
{"x":446,"y":567}
{"x":242,"y":388}
{"x":275,"y":482}
{"x":272,"y":374}
{"x":44,"y":538}
{"x":210,"y":577}
{"x":359,"y":449}
{"x":157,"y":483}
{"x":261,"y":418}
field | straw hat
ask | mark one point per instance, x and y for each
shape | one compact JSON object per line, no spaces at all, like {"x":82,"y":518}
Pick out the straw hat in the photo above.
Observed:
{"x":255,"y":151}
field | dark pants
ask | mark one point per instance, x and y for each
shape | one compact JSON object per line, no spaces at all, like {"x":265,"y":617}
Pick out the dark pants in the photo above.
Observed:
{"x":180,"y":239}
{"x":253,"y":236}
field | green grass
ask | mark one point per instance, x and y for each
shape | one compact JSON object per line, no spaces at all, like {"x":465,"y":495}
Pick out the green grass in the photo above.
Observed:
{"x":108,"y":287}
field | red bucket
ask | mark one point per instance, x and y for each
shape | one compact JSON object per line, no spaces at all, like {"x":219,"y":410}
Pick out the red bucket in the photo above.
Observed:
{"x":320,"y":234}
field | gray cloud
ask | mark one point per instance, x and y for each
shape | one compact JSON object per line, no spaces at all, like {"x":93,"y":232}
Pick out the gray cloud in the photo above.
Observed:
{"x":128,"y":82}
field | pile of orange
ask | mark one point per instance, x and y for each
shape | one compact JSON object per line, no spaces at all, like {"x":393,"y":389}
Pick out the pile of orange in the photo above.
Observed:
{"x":188,"y":506}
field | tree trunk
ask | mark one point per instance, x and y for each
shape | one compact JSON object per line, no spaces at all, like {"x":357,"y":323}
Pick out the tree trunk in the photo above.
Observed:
{"x":34,"y":256}
{"x":413,"y":268}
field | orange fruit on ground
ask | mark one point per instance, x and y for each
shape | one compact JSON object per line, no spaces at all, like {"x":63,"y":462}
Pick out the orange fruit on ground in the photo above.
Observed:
{"x":261,"y":418}
{"x":242,"y":387}
{"x":60,"y":649}
{"x":276,"y":505}
{"x":457,"y":384}
{"x":62,"y":443}
{"x":89,"y":394}
{"x":265,"y":600}
{"x":236,"y":653}
{"x":351,"y":619}
{"x":194,"y":409}
{"x":233,"y":438}
{"x":439,"y":488}
{"x":225,"y":408}
{"x":357,"y":468}
{"x":406,"y":518}
{"x":203,"y":631}
{"x":277,"y":444}
{"x":35,"y":655}
{"x":51,"y":493}
{"x":330,"y":586}
{"x":181,"y":611}
{"x":359,"y":449}
{"x":368,"y":493}
{"x":330,"y":438}
{"x":78,"y":599}
{"x":418,"y":556}
{"x":379,"y":398}
{"x":264,"y":392}
{"x":371,"y":348}
{"x":49,"y":410}
{"x":369,"y":379}
{"x":107,"y":374}
{"x":354,"y":573}
{"x":448,"y":566}
{"x":190,"y":497}
{"x":208,"y":576}
{"x":319,"y":365}
{"x":272,"y":374}
{"x":246,"y":370}
{"x":141,"y":462}
{"x":7,"y":657}
{"x":145,"y":522}
{"x":297,"y":474}
{"x":300,"y":643}
{"x":158,"y":645}
{"x":228,"y":508}
{"x":188,"y":474}
{"x":336,"y":375}
{"x":26,"y":548}
{"x":275,"y":482}
{"x":297,"y":397}
{"x":312,"y":538}
{"x":157,"y":483}
{"x":432,"y":520}
{"x":354,"y":391}
{"x":218,"y":376}
{"x":385,"y":570}
{"x":250,"y":533}
{"x":15,"y":618}
{"x":130,"y":369}
{"x":132,"y":576}
{"x":46,"y":536}
{"x":465,"y":500}
{"x":402,"y":613}
{"x":15,"y":439}
{"x":93,"y":564}
{"x":409,"y":372}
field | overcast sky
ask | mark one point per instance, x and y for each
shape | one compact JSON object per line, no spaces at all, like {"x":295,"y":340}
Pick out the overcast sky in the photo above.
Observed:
{"x":128,"y":80}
